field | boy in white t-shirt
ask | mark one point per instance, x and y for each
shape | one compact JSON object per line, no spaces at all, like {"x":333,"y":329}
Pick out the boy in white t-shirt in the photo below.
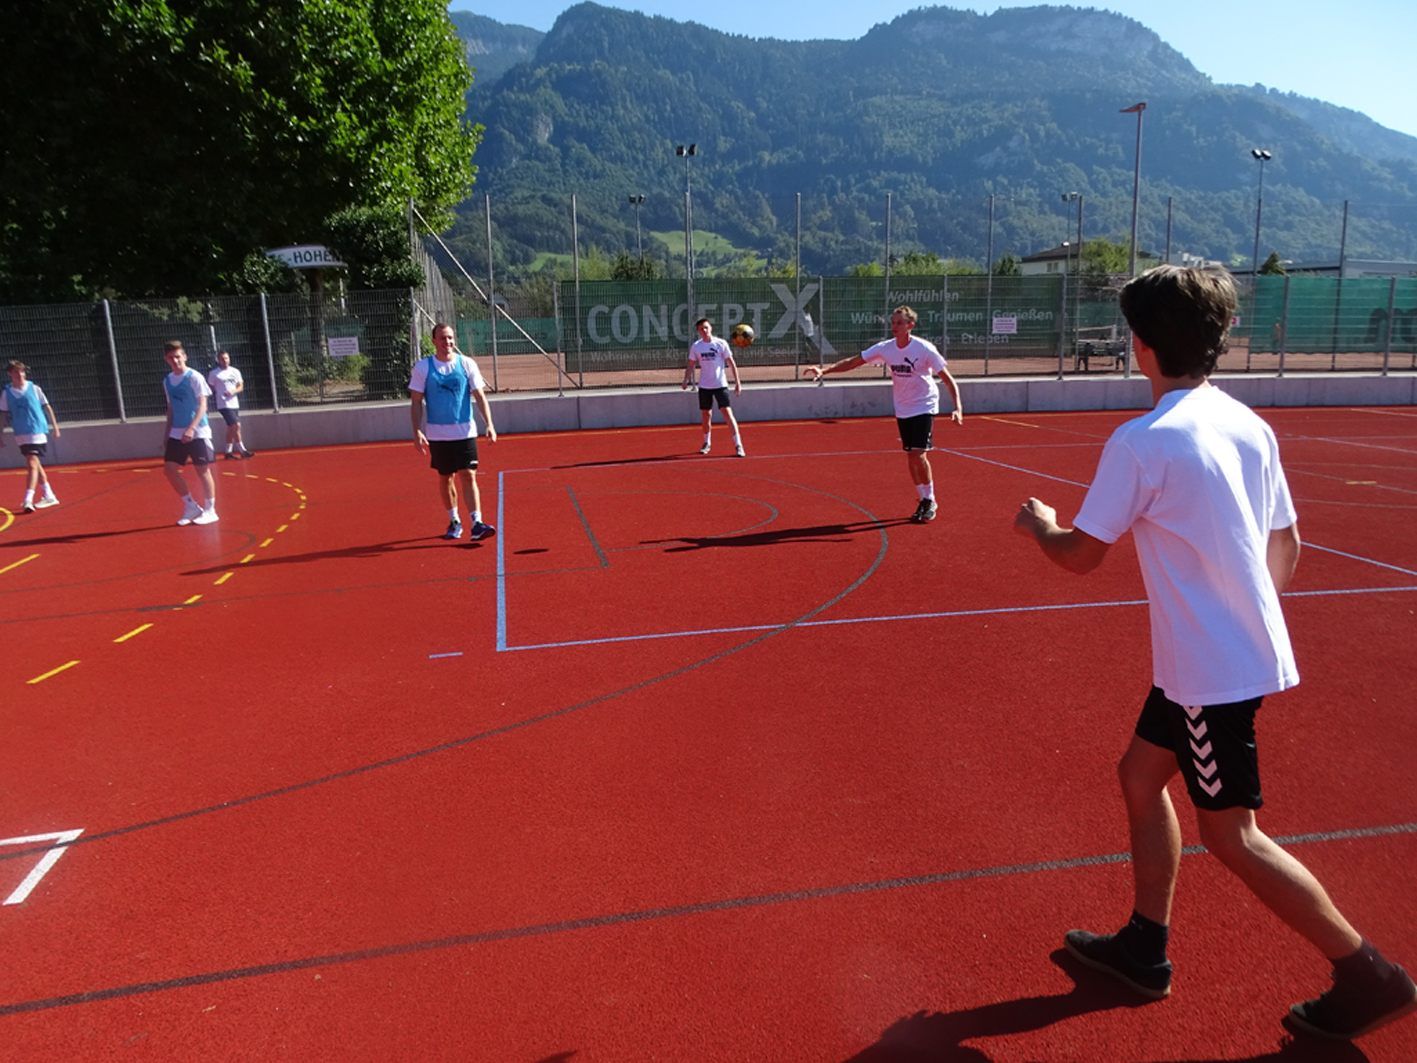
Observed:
{"x":714,"y":360}
{"x":1199,"y":484}
{"x":227,"y":385}
{"x":913,"y":364}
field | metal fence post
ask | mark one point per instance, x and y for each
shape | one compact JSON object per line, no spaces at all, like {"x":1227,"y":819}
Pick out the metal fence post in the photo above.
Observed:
{"x":1391,"y":306}
{"x":270,"y":354}
{"x":822,"y":324}
{"x":945,"y":315}
{"x":560,"y":339}
{"x":491,"y":290}
{"x":1284,"y":326}
{"x":113,"y":357}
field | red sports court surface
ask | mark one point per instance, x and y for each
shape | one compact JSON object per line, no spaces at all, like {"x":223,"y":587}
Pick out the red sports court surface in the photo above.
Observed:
{"x":697,"y":759}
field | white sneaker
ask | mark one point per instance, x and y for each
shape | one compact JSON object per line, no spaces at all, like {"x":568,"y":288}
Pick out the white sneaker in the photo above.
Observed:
{"x":206,"y":516}
{"x":46,"y":502}
{"x":738,"y":450}
{"x":704,"y":449}
{"x":190,"y":512}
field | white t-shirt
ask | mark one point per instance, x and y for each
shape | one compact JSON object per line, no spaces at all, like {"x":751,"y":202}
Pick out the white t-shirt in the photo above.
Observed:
{"x":1199,"y":483}
{"x":199,"y":387}
{"x":712,"y":358}
{"x":418,"y":382}
{"x":24,"y":438}
{"x":224,"y":383}
{"x":912,"y":368}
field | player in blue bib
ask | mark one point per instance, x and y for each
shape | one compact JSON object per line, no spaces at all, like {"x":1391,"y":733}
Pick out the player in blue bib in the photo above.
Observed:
{"x":188,"y":435}
{"x":31,"y":419}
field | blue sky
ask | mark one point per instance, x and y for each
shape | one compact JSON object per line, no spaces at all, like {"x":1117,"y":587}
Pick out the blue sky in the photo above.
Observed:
{"x":1355,"y":54}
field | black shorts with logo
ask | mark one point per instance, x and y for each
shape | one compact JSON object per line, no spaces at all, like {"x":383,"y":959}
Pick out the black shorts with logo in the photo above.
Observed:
{"x":33,"y":450}
{"x":448,"y":456}
{"x":708,"y":396}
{"x":199,"y":450}
{"x":916,"y":432}
{"x":1214,"y":746}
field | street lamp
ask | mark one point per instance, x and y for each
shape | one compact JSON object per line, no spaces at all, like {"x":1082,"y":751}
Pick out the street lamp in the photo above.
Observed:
{"x":1070,"y":197}
{"x":1136,"y":109}
{"x":1262,"y":156}
{"x":688,"y":151}
{"x":637,"y":201}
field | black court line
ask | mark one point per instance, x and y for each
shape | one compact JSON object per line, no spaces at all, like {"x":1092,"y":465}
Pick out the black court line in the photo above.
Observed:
{"x":585,"y":524}
{"x":496,"y":732}
{"x":646,"y":915}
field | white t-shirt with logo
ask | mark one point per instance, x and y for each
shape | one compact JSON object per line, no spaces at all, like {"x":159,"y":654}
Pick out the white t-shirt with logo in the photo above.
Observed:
{"x":913,"y":369}
{"x":712,"y":358}
{"x":224,"y":383}
{"x":1199,"y":483}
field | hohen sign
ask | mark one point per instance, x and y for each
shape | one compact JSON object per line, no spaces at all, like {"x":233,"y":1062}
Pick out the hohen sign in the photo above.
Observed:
{"x":306,"y":256}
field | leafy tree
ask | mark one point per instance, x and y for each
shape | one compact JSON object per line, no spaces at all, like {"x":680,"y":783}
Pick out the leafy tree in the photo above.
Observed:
{"x":1008,"y":266}
{"x":1272,"y":266}
{"x":628,"y":267}
{"x":151,"y":145}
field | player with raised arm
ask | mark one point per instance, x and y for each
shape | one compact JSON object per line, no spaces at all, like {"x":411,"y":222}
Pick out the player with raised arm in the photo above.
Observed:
{"x":914,"y":364}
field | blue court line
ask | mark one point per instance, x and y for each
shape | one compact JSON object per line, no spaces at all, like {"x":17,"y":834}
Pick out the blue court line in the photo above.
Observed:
{"x":594,"y":543}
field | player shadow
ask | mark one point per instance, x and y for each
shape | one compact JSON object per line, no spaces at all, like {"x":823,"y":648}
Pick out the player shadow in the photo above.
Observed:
{"x":815,"y":533}
{"x":365,"y":550}
{"x":625,"y":461}
{"x":938,"y":1037}
{"x":78,"y":537}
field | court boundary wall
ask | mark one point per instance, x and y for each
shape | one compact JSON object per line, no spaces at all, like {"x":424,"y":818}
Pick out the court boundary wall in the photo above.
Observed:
{"x":522,"y":412}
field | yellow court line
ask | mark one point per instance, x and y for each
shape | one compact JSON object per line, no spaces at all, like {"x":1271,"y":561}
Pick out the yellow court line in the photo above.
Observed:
{"x":1005,"y":420}
{"x":223,"y":578}
{"x":294,"y":517}
{"x":52,"y":672}
{"x":136,"y":631}
{"x":252,"y":476}
{"x":9,"y":518}
{"x":18,"y":563}
{"x":287,"y":483}
{"x":265,"y":544}
{"x":140,"y":470}
{"x":1350,"y":483}
{"x":282,"y":528}
{"x":247,"y":559}
{"x":193,"y":600}
{"x":273,"y":480}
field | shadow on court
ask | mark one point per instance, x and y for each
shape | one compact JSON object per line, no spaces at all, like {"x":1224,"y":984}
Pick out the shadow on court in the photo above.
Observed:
{"x":423,"y":542}
{"x":940,"y":1036}
{"x":625,"y":461}
{"x":815,"y":533}
{"x":78,"y":537}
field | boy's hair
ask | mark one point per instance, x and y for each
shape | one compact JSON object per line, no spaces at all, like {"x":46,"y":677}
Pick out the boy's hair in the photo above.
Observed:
{"x":1183,"y":315}
{"x":702,"y":321}
{"x":173,"y":345}
{"x":15,"y":363}
{"x":906,"y":312}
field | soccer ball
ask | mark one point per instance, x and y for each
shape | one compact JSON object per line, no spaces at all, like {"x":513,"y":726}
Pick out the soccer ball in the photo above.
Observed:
{"x":742,"y":335}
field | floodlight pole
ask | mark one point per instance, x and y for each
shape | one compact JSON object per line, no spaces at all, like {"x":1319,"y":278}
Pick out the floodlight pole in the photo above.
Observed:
{"x":637,"y":201}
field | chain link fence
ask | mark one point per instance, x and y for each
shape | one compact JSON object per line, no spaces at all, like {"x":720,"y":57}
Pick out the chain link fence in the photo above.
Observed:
{"x":103,"y":361}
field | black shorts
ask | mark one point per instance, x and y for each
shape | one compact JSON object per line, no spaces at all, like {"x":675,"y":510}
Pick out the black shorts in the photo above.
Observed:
{"x":199,"y":450}
{"x":448,"y":456}
{"x":708,"y":396}
{"x":230,"y":416}
{"x":1214,"y":746}
{"x":33,"y":450}
{"x":915,"y":432}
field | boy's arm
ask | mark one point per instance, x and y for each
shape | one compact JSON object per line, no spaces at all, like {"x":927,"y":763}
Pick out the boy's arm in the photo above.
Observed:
{"x":845,"y":365}
{"x":415,"y":411}
{"x":688,"y":371}
{"x":191,"y":431}
{"x":1070,"y":548}
{"x":733,"y":364}
{"x":483,"y":408}
{"x":1282,"y":555}
{"x":53,"y":421}
{"x":947,"y":378}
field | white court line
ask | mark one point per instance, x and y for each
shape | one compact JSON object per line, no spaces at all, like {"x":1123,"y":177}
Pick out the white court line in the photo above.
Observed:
{"x":946,"y":615}
{"x":61,"y":841}
{"x":1368,"y":560}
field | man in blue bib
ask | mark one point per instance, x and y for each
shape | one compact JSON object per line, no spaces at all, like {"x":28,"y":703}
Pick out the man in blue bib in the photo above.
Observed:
{"x":444,"y":388}
{"x":188,"y":435}
{"x":29,"y":414}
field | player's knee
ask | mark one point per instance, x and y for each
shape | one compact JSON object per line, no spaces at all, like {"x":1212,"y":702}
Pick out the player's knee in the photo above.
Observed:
{"x":1230,"y":835}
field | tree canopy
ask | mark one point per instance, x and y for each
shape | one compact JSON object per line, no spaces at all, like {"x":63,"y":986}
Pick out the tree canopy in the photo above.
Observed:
{"x":152,"y":145}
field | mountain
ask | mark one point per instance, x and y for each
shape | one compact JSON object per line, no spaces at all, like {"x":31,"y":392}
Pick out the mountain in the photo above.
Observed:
{"x":493,"y":47}
{"x":940,"y":108}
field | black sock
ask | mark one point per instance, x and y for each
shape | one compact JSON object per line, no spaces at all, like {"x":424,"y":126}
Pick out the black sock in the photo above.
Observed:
{"x":1146,"y":939}
{"x":1367,"y":964}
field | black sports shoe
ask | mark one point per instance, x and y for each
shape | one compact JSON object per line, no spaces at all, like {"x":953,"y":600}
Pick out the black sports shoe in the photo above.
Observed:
{"x":928,"y":509}
{"x":1108,"y":953}
{"x":1356,"y":1006}
{"x":247,"y":455}
{"x":481,"y":530}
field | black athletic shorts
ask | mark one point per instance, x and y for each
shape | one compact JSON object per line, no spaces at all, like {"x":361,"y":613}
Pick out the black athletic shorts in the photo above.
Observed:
{"x":707,"y":397}
{"x":448,"y":456}
{"x":1214,"y":746}
{"x":33,"y":449}
{"x":230,"y":416}
{"x":199,"y":450}
{"x":915,"y":432}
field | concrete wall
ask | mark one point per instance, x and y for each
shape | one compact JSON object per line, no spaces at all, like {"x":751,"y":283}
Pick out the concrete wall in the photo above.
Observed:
{"x":842,"y":396}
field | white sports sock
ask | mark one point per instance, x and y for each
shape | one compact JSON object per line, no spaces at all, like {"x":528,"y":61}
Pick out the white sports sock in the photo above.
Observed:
{"x":29,"y":497}
{"x":476,"y":515}
{"x":922,"y":490}
{"x":453,"y":513}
